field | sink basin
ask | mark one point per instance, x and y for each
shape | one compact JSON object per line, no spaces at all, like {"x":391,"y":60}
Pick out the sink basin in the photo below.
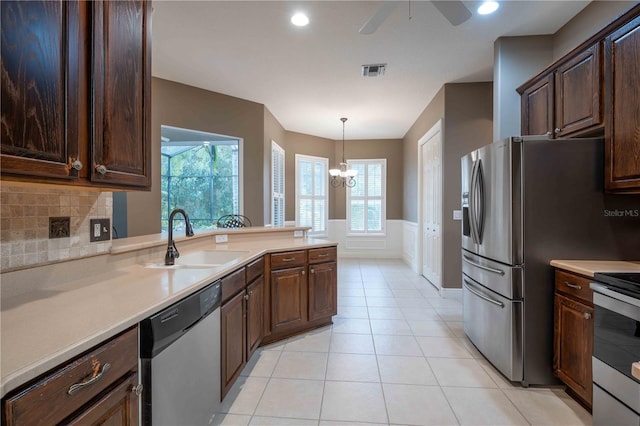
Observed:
{"x":204,"y":259}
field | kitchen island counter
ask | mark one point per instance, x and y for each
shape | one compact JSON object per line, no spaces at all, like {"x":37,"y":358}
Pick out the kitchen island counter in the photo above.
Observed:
{"x":55,"y":312}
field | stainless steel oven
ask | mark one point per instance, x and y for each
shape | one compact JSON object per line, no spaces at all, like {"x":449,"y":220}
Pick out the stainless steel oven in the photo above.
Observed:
{"x":616,"y":347}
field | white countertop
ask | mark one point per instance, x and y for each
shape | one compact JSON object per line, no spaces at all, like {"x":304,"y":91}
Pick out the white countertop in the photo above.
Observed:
{"x":590,"y":267}
{"x":51,"y":314}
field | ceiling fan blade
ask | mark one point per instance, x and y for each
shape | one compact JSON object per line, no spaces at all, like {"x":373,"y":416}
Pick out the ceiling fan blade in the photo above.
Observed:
{"x":380,"y":16}
{"x":455,"y":11}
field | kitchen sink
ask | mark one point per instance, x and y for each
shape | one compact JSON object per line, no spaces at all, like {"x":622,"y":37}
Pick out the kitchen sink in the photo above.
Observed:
{"x":203,"y":259}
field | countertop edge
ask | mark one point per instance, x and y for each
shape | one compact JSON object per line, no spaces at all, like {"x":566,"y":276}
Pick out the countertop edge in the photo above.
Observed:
{"x":590,"y":267}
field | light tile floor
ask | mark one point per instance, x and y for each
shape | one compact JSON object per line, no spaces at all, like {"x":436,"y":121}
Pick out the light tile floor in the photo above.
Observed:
{"x":396,"y":354}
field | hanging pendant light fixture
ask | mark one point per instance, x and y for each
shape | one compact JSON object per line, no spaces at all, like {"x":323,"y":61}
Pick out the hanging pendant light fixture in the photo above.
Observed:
{"x":343,"y":176}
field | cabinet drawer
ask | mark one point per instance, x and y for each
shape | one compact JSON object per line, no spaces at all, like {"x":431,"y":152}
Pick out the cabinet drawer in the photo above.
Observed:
{"x":574,"y":285}
{"x":48,"y":401}
{"x":255,"y":269}
{"x":325,"y":254}
{"x":232,"y":284}
{"x":288,"y":259}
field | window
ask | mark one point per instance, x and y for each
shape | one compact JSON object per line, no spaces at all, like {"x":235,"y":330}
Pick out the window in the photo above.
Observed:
{"x":312,"y":207}
{"x":200,"y":174}
{"x":366,"y":205}
{"x":277,"y":185}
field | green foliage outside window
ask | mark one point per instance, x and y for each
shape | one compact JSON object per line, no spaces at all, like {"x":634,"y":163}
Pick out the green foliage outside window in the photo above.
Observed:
{"x":202,"y":180}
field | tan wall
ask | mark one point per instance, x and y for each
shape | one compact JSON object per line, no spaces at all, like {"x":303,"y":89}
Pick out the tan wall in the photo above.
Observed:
{"x":589,"y":21}
{"x":189,"y":107}
{"x":467,"y":126}
{"x":273,"y":131}
{"x":431,"y":114}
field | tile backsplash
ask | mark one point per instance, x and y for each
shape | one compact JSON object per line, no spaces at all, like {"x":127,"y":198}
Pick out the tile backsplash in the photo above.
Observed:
{"x":24,"y":224}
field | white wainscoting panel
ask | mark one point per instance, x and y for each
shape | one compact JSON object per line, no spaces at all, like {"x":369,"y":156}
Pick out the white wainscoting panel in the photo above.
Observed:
{"x":388,"y":246}
{"x":410,"y":244}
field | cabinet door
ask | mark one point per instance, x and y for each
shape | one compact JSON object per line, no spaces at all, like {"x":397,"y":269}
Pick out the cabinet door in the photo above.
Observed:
{"x":622,"y":109}
{"x":288,"y":299}
{"x":573,"y":346}
{"x":537,"y":107}
{"x":118,"y":407}
{"x":578,"y":88}
{"x":255,"y":304}
{"x":122,"y":93}
{"x":40,"y":65}
{"x":323,"y":295}
{"x":233,"y":344}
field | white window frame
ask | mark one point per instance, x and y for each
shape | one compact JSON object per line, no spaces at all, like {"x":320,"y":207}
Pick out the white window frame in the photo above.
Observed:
{"x":325,"y":197}
{"x":277,"y":184}
{"x":383,"y":198}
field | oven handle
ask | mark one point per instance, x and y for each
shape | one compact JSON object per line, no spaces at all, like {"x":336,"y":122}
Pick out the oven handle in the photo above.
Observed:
{"x":482,"y":296}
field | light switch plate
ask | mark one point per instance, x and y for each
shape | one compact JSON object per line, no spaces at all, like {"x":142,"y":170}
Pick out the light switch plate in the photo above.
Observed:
{"x":457,"y":215}
{"x":222,"y":238}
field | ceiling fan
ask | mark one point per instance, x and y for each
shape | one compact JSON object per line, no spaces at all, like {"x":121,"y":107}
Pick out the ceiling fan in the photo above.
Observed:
{"x":453,"y":10}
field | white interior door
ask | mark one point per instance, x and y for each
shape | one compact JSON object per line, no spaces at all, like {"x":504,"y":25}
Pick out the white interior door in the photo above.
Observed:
{"x":431,"y":200}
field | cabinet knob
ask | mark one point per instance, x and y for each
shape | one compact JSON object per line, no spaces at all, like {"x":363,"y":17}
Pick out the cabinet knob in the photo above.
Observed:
{"x":302,"y":272}
{"x":137,"y":389}
{"x":246,"y":297}
{"x":549,"y":134}
{"x":587,"y":315}
{"x":101,"y":169}
{"x":251,"y":292}
{"x":312,"y":271}
{"x":557,"y":130}
{"x":76,"y":165}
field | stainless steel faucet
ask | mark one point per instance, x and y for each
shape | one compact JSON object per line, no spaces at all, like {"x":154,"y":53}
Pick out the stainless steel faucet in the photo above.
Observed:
{"x":172,"y":251}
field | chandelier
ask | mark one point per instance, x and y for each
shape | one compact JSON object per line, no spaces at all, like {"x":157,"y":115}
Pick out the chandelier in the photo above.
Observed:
{"x":343,"y":176}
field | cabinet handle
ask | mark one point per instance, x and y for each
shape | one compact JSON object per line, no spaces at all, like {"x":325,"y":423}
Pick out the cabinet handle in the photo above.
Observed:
{"x":75,"y":388}
{"x":576,"y":286}
{"x":76,"y":165}
{"x":557,"y":130}
{"x":587,"y":315}
{"x":101,"y":169}
{"x":323,"y":255}
{"x":137,"y":389}
{"x":302,"y":272}
{"x":288,"y":259}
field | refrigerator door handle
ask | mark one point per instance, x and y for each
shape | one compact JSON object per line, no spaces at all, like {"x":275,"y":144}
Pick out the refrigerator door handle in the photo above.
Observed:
{"x":472,"y":205}
{"x":486,"y":268}
{"x":482,"y":296}
{"x":480,"y":187}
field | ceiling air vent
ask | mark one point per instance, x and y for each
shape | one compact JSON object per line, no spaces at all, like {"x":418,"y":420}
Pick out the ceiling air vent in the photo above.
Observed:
{"x":373,"y":70}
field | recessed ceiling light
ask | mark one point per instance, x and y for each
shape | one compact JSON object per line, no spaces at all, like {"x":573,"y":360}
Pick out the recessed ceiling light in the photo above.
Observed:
{"x":300,"y":19}
{"x":488,"y":7}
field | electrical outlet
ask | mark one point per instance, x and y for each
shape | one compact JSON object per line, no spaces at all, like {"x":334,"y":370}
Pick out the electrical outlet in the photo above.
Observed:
{"x":59,"y":227}
{"x":99,"y":230}
{"x":298,"y":234}
{"x":222,"y":238}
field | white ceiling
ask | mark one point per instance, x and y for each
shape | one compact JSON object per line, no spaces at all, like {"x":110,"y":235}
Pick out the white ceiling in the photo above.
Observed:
{"x":310,"y":77}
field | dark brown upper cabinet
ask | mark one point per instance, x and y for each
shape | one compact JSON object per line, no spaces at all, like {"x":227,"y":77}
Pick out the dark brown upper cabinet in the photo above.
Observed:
{"x":537,"y":106}
{"x":122,"y":93}
{"x":565,"y":100}
{"x":622,"y":88}
{"x":40,"y":83}
{"x":578,"y":88}
{"x":76,"y":83}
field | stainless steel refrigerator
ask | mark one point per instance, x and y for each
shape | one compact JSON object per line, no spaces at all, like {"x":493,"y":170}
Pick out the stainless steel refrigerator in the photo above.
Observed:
{"x":525,"y":201}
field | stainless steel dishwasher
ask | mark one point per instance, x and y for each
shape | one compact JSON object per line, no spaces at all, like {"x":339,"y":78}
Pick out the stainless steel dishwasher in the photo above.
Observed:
{"x":180,"y":361}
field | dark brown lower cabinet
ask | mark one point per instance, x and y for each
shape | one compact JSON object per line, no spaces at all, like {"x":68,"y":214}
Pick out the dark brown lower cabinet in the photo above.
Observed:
{"x":288,"y":299}
{"x":233,"y":345}
{"x":573,"y":335}
{"x":255,"y":313}
{"x":323,"y":295}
